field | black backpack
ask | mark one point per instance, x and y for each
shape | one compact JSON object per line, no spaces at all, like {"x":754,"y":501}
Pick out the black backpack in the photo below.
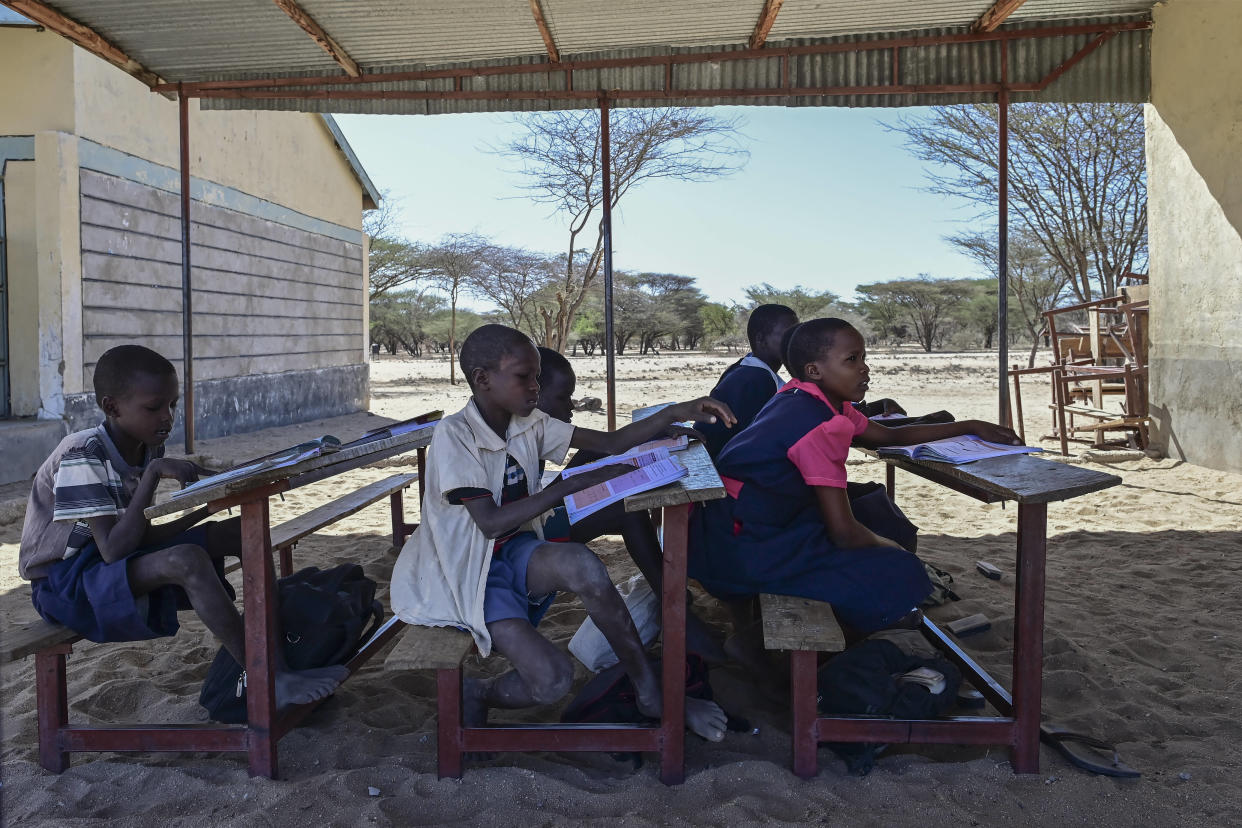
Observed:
{"x":864,"y":680}
{"x":323,"y":616}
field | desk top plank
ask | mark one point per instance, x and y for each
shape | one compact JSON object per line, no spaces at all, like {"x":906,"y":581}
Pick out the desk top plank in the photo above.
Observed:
{"x":703,"y":483}
{"x":1019,"y":477}
{"x":363,"y":454}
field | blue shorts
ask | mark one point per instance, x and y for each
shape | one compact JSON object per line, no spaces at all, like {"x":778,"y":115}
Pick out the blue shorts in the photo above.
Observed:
{"x":505,"y":595}
{"x":93,"y":597}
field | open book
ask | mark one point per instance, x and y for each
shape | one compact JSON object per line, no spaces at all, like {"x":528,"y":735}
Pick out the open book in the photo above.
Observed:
{"x":641,"y":455}
{"x":656,"y":471}
{"x":278,"y":459}
{"x":395,"y":429}
{"x":956,"y":450}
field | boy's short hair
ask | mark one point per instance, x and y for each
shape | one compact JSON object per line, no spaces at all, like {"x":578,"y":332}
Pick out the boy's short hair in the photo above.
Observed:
{"x":551,"y":363}
{"x":487,"y":345}
{"x":116,"y":369}
{"x":786,"y":338}
{"x":809,"y":341}
{"x":764,"y":318}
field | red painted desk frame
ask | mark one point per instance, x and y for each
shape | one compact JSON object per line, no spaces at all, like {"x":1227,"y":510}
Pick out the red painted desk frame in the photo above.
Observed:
{"x":666,"y":738}
{"x":259,"y":738}
{"x":1018,"y":724}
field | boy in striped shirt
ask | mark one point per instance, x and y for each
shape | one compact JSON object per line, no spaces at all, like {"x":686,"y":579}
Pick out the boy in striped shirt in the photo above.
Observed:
{"x":97,"y":565}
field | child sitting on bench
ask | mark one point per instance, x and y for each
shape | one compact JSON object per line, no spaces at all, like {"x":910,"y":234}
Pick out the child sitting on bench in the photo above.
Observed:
{"x":479,"y":561}
{"x":786,"y":526}
{"x":97,"y":565}
{"x":556,"y":389}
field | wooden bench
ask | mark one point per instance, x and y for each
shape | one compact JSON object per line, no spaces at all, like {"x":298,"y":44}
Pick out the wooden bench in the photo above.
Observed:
{"x":286,"y":535}
{"x":51,"y":643}
{"x":442,"y":649}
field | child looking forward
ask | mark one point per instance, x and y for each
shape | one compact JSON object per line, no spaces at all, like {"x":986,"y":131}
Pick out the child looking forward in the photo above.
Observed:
{"x":479,"y":560}
{"x":97,"y":565}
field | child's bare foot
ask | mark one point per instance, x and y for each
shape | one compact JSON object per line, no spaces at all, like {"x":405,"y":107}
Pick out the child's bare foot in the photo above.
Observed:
{"x":706,"y":718}
{"x":305,"y":686}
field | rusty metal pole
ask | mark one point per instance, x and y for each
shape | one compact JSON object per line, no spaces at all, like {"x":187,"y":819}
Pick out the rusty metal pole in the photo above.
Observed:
{"x":1002,"y":241}
{"x":605,"y":151}
{"x":187,"y":323}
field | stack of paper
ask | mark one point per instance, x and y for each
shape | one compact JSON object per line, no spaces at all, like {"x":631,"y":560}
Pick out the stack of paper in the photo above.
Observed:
{"x":653,"y":472}
{"x":955,"y":450}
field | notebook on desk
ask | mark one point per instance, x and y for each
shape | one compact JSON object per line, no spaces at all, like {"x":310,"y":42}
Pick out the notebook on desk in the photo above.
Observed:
{"x":956,"y":450}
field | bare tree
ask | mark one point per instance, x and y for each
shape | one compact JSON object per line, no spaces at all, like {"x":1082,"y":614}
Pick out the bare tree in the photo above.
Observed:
{"x":1077,"y":179}
{"x":394,"y":263}
{"x":452,"y":265}
{"x":560,"y":157}
{"x":1036,"y":282}
{"x":513,"y":277}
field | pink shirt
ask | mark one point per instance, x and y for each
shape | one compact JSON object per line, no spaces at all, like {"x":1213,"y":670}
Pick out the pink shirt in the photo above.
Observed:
{"x":820,"y":454}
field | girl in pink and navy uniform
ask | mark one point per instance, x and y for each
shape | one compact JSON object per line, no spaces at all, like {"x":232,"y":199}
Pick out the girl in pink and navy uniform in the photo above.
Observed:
{"x":787,"y":526}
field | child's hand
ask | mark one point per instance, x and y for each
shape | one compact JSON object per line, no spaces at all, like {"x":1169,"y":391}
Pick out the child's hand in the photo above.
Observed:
{"x":678,"y":430}
{"x":183,"y":471}
{"x":596,"y":476}
{"x":995,"y":433}
{"x":704,"y":408}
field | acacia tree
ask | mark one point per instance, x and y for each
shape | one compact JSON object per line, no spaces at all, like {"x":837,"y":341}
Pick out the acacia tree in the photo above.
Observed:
{"x":394,"y":264}
{"x":452,"y":265}
{"x":1036,"y":282}
{"x":926,"y":303}
{"x":512,"y":277}
{"x":559,"y":153}
{"x":1077,"y":179}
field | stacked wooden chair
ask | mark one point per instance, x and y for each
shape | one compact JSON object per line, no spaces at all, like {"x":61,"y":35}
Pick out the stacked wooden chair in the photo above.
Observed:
{"x":1098,"y":370}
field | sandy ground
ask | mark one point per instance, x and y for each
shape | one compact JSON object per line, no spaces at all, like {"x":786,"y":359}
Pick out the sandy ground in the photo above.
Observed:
{"x":1142,"y":648}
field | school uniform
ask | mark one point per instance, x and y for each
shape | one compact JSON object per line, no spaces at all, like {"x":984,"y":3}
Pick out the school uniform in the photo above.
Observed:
{"x":745,"y":386}
{"x":444,"y":576}
{"x":71,"y":583}
{"x":768,"y":534}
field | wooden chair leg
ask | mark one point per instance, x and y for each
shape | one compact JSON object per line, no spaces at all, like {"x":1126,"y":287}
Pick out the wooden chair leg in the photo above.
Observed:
{"x":1016,"y":411}
{"x":803,"y":692}
{"x":286,"y":560}
{"x":1059,"y":394}
{"x":449,"y":723}
{"x":53,"y":702}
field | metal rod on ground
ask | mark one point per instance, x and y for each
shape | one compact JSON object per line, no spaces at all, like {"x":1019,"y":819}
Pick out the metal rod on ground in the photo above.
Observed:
{"x":605,"y":151}
{"x":1002,"y":239}
{"x":187,"y":323}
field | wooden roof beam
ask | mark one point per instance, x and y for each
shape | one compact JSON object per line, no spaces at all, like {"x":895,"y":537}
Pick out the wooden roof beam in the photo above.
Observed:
{"x":87,"y":38}
{"x":999,"y":11}
{"x":325,"y":41}
{"x":536,"y":8}
{"x":764,"y":24}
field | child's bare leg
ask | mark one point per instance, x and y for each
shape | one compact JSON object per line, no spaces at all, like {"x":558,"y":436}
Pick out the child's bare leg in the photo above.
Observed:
{"x":575,"y":568}
{"x":224,"y":538}
{"x":189,"y":567}
{"x":643,"y":544}
{"x":541,"y":673}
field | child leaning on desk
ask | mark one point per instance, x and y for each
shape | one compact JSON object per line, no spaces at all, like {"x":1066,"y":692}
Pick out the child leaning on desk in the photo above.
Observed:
{"x":479,"y":561}
{"x":786,"y":526}
{"x":97,"y":565}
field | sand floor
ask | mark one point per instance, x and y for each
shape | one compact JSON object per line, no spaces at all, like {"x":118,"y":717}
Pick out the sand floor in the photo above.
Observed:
{"x":1142,"y":648}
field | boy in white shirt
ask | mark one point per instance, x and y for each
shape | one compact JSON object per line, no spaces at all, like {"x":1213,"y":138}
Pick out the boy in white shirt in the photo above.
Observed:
{"x":478,"y":559}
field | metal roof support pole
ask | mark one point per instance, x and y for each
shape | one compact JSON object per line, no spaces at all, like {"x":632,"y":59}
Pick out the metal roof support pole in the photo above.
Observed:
{"x":187,"y":321}
{"x":1002,"y":237}
{"x":605,"y":152}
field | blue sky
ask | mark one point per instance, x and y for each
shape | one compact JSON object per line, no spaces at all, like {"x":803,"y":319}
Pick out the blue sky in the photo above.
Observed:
{"x":829,"y":199}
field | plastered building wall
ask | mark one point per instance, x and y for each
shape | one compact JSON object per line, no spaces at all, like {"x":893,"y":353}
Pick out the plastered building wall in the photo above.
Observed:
{"x":1194,"y":168}
{"x":90,"y":164}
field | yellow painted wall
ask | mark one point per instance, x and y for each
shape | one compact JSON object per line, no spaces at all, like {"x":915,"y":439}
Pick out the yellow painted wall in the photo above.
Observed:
{"x":19,"y":189}
{"x":36,"y":82}
{"x":1194,"y":168}
{"x":287,"y":157}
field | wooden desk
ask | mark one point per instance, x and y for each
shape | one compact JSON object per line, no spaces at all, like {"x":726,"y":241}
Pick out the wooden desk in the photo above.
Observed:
{"x":668,"y":737}
{"x":259,"y":737}
{"x":1033,"y":483}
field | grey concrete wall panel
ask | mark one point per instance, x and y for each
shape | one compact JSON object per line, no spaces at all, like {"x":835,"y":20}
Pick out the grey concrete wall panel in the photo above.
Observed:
{"x":239,"y":404}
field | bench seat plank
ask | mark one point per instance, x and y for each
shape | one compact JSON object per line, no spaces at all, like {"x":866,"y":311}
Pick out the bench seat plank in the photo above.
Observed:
{"x":792,"y":623}
{"x":31,"y":637}
{"x":430,"y":648}
{"x":292,"y":531}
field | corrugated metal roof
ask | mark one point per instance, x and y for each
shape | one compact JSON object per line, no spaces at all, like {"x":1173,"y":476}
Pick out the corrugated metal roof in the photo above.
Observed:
{"x":254,"y":39}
